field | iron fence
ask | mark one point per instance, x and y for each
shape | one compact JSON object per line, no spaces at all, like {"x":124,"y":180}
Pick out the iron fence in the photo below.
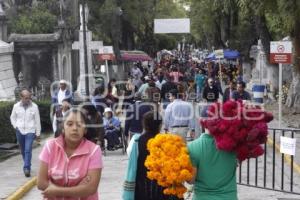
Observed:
{"x":274,"y":170}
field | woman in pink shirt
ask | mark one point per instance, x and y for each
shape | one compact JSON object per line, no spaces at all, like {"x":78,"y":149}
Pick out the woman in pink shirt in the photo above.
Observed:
{"x":70,"y":166}
{"x":176,"y":75}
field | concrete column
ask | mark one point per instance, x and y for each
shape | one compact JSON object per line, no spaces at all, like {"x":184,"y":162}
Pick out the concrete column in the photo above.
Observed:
{"x":55,"y":66}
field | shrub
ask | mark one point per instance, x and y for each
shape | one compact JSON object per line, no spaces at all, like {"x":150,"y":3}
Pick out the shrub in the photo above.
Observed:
{"x":44,"y":108}
{"x":7,"y":132}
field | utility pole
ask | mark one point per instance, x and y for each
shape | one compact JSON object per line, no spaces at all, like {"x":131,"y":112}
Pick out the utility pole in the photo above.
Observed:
{"x":86,"y":68}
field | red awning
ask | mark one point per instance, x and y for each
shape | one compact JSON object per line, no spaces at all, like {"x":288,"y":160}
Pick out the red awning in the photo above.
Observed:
{"x":135,"y":56}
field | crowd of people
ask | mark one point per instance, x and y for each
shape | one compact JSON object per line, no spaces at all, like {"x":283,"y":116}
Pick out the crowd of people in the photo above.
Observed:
{"x":153,"y":100}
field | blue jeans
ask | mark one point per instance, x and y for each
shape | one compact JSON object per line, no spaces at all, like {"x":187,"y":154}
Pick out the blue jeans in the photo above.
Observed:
{"x":25,"y":142}
{"x":112,"y":138}
{"x":199,"y":93}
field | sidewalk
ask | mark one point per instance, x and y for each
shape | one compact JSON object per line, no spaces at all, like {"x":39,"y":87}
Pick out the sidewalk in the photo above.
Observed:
{"x":111,"y":181}
{"x":112,"y":178}
{"x":12,"y":176}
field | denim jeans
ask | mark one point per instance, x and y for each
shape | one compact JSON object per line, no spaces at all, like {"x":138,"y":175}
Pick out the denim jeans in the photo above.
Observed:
{"x":112,"y":138}
{"x":199,"y":93}
{"x":25,"y":142}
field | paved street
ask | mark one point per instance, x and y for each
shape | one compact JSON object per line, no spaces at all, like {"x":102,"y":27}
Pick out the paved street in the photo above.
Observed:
{"x":111,"y":180}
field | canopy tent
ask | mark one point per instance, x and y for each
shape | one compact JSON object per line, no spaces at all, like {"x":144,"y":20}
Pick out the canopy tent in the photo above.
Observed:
{"x":228,"y":54}
{"x":164,"y":52}
{"x":135,"y":56}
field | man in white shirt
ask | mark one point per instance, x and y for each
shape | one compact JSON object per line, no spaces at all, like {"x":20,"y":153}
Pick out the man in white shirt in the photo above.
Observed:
{"x":136,"y":72}
{"x":179,"y":116}
{"x":62,"y":94}
{"x":25,"y":118}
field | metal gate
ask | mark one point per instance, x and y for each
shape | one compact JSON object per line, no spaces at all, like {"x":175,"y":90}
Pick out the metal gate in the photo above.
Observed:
{"x":273,"y":170}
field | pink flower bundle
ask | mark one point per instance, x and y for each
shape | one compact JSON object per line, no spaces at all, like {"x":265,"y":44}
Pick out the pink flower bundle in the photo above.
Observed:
{"x":238,"y":127}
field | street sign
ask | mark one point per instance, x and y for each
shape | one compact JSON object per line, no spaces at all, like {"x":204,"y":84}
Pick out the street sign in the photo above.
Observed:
{"x":219,"y":54}
{"x":106,"y":50}
{"x":106,"y":53}
{"x":281,"y":52}
{"x":103,"y":57}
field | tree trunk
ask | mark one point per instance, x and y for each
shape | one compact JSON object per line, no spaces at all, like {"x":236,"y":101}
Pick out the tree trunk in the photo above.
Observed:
{"x":263,"y":33}
{"x":116,"y":27}
{"x":217,"y":35}
{"x":128,"y":35}
{"x":293,"y":99}
{"x":265,"y":36}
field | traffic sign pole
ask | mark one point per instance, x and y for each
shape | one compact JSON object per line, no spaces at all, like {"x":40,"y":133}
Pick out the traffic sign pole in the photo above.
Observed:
{"x":280,"y":52}
{"x":280,"y":96}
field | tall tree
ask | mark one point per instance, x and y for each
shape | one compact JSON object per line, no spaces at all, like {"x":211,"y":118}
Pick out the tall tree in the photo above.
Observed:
{"x":275,"y":20}
{"x":214,"y":23}
{"x":133,"y":29}
{"x":290,"y":12}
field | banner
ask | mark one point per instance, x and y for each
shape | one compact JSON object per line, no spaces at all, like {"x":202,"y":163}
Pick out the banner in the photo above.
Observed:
{"x":219,"y":53}
{"x":172,"y":25}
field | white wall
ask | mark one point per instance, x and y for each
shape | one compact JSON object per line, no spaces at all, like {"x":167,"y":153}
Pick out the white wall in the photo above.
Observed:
{"x":7,"y":78}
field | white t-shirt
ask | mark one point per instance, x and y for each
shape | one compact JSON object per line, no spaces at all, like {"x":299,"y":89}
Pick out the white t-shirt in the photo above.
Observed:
{"x":61,"y":96}
{"x":136,"y":73}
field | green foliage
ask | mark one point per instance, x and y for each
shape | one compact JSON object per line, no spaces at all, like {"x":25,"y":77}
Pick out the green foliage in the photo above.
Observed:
{"x":44,"y":108}
{"x":7,"y":133}
{"x":166,"y":41}
{"x":277,"y":26}
{"x":33,"y":20}
{"x":137,"y":22}
{"x":216,"y":21}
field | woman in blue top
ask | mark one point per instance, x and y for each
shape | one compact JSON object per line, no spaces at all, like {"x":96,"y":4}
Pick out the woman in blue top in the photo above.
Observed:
{"x":112,"y":127}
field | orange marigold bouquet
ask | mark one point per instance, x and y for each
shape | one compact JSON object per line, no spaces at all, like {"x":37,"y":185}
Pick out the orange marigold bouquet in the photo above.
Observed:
{"x":169,"y":163}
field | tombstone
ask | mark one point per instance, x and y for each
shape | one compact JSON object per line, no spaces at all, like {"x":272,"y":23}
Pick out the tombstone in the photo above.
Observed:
{"x":7,"y":79}
{"x":270,"y":73}
{"x":259,"y":73}
{"x":43,"y":55}
{"x":3,"y":24}
{"x":20,"y":86}
{"x":91,"y":46}
{"x":267,"y":73}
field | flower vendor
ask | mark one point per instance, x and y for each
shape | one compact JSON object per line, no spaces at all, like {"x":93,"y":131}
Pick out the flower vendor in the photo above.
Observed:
{"x":137,"y":185}
{"x":233,"y":131}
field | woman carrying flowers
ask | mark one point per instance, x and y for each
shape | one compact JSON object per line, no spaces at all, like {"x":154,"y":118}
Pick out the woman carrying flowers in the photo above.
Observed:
{"x":233,"y":131}
{"x":137,"y":186}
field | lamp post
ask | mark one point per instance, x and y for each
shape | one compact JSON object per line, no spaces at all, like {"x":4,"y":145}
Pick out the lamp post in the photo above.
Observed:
{"x":86,"y":68}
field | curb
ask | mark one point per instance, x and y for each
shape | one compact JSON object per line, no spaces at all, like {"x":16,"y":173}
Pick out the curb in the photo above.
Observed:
{"x":19,"y":193}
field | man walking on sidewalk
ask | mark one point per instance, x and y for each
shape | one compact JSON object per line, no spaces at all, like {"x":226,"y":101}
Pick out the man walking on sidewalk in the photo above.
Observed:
{"x":25,"y":118}
{"x":179,"y":116}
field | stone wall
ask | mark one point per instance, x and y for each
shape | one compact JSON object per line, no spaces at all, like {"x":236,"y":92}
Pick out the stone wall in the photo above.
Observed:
{"x":40,"y":56}
{"x":7,"y":78}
